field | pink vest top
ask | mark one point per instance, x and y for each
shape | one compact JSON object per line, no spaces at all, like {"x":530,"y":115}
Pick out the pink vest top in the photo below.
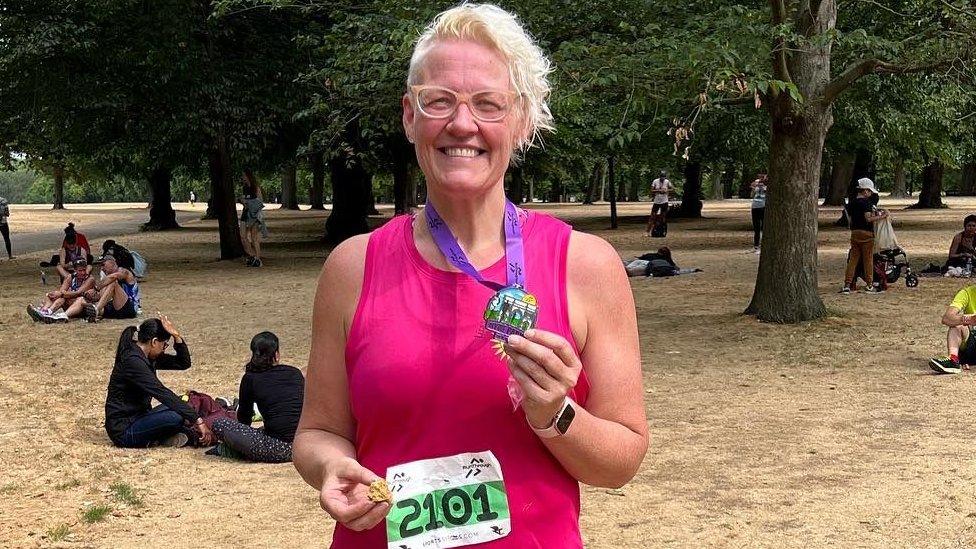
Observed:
{"x":424,"y":381}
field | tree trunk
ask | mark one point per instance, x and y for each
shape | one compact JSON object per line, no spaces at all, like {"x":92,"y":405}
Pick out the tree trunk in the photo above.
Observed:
{"x":531,"y":190}
{"x":222,"y":196}
{"x":967,"y":186}
{"x":350,"y":200}
{"x":58,"y":187}
{"x":898,"y":188}
{"x":289,"y":186}
{"x":317,"y":192}
{"x":786,"y":284}
{"x":745,"y":182}
{"x":931,"y":194}
{"x":633,"y":193}
{"x":728,"y":179}
{"x":161,"y":214}
{"x":613,"y":193}
{"x":596,"y":179}
{"x":556,"y":191}
{"x":401,"y":184}
{"x":515,"y":185}
{"x":840,"y":179}
{"x":621,"y":187}
{"x":715,"y":176}
{"x":691,"y":204}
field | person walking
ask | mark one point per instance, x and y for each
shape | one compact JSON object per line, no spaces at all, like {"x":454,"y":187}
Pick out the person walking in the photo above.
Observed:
{"x":661,"y":189}
{"x":758,"y":210}
{"x":4,"y":227}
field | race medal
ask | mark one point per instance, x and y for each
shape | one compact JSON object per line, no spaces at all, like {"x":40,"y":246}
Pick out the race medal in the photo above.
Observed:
{"x":447,"y":502}
{"x":510,"y":311}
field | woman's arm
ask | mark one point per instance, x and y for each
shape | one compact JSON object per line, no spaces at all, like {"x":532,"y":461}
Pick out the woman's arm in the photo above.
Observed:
{"x":607,"y":440}
{"x":324,"y":453}
{"x":954,"y":247}
{"x":245,"y":404}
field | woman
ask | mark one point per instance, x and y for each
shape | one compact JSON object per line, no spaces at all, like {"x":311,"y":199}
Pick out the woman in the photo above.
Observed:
{"x":862,"y":212}
{"x":404,"y":380}
{"x":129,"y":421}
{"x":253,"y":226}
{"x":278,"y":390}
{"x":758,"y":210}
{"x":963,"y":247}
{"x":4,"y":227}
{"x":74,"y":247}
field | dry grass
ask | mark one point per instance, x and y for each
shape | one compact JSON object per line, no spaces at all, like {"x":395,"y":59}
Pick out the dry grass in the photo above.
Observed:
{"x":821,"y":434}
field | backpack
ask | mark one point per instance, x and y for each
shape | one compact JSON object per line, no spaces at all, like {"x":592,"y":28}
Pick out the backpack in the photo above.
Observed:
{"x":660,"y":230}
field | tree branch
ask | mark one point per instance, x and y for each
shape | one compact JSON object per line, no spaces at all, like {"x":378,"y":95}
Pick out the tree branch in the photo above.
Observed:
{"x":780,"y":69}
{"x":855,"y":71}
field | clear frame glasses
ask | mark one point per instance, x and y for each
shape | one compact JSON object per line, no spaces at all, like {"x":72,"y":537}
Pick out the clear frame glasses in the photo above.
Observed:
{"x":485,"y":105}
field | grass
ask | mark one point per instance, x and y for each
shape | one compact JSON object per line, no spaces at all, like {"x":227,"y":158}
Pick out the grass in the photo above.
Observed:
{"x":96,"y":513}
{"x":124,"y":493}
{"x":59,"y":532}
{"x":71,"y":483}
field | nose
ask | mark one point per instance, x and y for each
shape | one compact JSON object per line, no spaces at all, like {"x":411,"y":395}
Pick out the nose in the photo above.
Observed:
{"x":463,"y":122}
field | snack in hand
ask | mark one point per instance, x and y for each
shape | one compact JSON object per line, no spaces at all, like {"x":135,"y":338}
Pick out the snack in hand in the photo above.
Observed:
{"x":380,"y":491}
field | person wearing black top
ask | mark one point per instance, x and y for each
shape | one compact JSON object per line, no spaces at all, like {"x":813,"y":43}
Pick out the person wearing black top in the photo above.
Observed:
{"x":121,"y":254}
{"x":862,"y":212}
{"x":278,"y":391}
{"x":129,"y":420}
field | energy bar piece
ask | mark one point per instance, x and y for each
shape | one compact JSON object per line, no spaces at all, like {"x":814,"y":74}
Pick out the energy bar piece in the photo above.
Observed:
{"x":380,"y":491}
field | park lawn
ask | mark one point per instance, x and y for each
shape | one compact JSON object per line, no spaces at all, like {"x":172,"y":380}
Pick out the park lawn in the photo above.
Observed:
{"x":821,"y":434}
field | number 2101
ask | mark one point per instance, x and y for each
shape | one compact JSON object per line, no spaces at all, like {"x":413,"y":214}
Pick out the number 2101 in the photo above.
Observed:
{"x":455,"y":517}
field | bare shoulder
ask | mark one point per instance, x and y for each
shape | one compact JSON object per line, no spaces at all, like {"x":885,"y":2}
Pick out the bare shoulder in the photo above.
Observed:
{"x":591,"y":261}
{"x":342,"y":277}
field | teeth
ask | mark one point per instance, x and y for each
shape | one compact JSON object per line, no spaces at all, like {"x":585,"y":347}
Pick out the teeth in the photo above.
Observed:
{"x":461,"y":152}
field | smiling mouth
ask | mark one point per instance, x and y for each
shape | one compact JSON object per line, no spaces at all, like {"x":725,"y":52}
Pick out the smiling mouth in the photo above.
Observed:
{"x":461,"y":152}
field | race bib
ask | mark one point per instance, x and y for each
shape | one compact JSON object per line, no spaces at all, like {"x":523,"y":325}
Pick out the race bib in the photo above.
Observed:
{"x":447,"y":502}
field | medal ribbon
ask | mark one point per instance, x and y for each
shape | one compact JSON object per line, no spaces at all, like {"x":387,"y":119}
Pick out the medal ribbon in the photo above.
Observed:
{"x":514,"y":254}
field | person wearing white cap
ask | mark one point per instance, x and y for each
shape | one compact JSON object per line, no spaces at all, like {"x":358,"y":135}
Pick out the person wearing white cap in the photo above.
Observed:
{"x":862,"y":213}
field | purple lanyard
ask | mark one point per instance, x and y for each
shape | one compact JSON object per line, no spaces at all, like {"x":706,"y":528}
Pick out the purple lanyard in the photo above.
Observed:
{"x":448,"y":245}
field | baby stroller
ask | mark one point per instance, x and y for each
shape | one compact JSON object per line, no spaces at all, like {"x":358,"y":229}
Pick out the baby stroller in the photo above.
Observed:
{"x":890,"y":260}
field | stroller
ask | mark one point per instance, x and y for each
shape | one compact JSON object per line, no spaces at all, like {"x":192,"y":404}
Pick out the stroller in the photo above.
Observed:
{"x":890,"y":260}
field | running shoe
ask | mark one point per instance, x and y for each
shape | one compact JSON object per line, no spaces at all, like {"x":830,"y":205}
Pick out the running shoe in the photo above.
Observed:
{"x":91,"y":313}
{"x":846,"y":290}
{"x":34,"y":314}
{"x":944,"y":365}
{"x":871,"y":290}
{"x":178,"y":440}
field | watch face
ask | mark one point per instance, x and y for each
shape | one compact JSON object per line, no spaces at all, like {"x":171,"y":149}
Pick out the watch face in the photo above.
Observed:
{"x":565,"y":418}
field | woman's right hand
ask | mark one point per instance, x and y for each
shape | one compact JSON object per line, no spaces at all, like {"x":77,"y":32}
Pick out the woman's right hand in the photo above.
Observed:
{"x":344,"y":495}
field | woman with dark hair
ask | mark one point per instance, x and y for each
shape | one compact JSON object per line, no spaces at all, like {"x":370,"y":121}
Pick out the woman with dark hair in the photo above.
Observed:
{"x":253,"y":226}
{"x":129,"y":420}
{"x":74,"y":247}
{"x":278,"y":390}
{"x":963,"y":247}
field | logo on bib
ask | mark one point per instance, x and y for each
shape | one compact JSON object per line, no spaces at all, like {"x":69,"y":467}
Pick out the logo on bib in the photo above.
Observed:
{"x":474,"y":468}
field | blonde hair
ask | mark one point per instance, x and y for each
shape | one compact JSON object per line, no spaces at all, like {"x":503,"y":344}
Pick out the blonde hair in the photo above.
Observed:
{"x":495,"y":28}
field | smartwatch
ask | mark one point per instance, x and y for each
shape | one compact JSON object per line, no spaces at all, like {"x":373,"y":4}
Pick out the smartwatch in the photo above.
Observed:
{"x":560,"y":423}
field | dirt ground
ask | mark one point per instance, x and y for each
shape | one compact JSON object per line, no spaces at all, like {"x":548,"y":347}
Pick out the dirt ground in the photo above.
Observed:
{"x":827,"y":434}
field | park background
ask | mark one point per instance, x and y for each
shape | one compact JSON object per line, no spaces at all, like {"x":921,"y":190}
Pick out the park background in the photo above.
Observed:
{"x":819,"y":428}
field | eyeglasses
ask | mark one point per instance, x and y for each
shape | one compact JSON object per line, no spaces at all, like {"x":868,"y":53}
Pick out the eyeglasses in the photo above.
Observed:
{"x":485,"y":105}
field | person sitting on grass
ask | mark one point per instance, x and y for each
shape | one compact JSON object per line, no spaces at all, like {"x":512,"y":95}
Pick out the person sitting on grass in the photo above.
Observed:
{"x":116,"y":295}
{"x":69,"y":297}
{"x":959,"y":316}
{"x":278,"y":390}
{"x":963,"y":247}
{"x":74,"y":247}
{"x":129,"y":420}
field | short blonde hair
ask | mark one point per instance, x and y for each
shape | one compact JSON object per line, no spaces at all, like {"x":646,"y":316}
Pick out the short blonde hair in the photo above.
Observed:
{"x":528,"y":67}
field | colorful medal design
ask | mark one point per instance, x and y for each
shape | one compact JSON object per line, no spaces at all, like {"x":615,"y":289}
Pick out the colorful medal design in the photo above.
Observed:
{"x":510,"y":311}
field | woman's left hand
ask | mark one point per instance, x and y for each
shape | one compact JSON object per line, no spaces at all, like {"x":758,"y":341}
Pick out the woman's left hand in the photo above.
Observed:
{"x":168,"y":325}
{"x":546,"y":368}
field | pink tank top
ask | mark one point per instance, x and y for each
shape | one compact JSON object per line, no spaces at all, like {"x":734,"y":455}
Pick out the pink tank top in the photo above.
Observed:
{"x":424,"y":381}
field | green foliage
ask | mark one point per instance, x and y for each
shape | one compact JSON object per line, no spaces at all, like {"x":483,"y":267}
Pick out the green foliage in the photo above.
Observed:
{"x":96,"y":513}
{"x":59,"y":532}
{"x":124,"y":493}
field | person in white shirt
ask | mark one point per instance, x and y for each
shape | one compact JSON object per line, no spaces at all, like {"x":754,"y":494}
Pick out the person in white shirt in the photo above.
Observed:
{"x":661,"y":193}
{"x":4,"y":227}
